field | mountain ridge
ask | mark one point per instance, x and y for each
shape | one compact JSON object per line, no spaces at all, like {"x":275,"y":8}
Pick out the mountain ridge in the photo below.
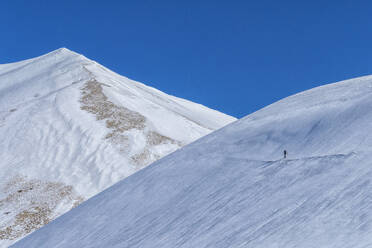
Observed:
{"x":70,"y":128}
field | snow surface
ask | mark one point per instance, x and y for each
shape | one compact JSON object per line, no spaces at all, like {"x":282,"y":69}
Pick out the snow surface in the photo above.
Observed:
{"x":70,"y":128}
{"x":232,"y":188}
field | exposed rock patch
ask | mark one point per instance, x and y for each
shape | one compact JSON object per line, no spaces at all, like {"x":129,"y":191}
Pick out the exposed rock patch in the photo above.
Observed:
{"x":120,"y":120}
{"x":30,"y":204}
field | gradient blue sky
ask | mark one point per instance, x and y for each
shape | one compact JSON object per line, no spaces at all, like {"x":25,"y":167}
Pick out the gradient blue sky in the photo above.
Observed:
{"x":234,"y":56}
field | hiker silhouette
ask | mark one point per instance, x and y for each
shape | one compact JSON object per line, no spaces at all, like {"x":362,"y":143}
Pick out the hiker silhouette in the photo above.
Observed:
{"x":285,"y":153}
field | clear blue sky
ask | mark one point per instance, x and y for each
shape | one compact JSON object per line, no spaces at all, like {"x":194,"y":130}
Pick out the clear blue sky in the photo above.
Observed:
{"x":234,"y":56}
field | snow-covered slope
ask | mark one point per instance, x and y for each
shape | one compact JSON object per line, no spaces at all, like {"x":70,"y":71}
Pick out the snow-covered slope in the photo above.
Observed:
{"x":70,"y":128}
{"x":233,"y":189}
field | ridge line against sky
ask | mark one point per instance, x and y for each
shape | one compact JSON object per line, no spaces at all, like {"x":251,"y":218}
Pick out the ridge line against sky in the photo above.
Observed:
{"x":235,"y":57}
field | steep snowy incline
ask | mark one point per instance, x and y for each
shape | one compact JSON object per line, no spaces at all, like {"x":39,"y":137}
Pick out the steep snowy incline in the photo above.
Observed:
{"x":233,"y":189}
{"x":70,"y":128}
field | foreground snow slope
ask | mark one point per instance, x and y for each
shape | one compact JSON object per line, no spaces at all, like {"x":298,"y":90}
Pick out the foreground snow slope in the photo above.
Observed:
{"x":70,"y":128}
{"x":232,"y":189}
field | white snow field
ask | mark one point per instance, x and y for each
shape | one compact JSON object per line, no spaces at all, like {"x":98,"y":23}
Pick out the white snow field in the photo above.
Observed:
{"x":232,"y":188}
{"x":70,"y":128}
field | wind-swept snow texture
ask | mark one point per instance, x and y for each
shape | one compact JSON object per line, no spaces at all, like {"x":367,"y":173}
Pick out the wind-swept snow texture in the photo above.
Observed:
{"x":70,"y":128}
{"x":233,"y":189}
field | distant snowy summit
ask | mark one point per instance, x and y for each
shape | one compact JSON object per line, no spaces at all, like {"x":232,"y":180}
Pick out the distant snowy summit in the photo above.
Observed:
{"x":70,"y":128}
{"x":233,"y":188}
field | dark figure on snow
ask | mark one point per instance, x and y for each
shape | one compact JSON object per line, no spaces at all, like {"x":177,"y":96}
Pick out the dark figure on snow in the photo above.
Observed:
{"x":285,"y":153}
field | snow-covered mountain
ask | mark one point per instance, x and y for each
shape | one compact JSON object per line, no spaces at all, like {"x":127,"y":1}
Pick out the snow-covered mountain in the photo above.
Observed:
{"x":70,"y":128}
{"x":233,"y":188}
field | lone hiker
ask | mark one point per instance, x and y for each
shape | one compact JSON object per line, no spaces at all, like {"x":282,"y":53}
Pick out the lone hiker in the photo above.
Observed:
{"x":285,"y":153}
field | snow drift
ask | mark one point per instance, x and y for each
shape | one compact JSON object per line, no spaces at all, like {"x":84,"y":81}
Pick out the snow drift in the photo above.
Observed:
{"x":233,"y":189}
{"x":70,"y":128}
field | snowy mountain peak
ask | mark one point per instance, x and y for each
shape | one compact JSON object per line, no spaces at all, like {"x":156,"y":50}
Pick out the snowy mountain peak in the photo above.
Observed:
{"x":70,"y":128}
{"x":62,"y":51}
{"x":233,"y":188}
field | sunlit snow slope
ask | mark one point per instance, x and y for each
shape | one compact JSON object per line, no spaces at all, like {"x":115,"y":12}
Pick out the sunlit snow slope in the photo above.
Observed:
{"x":233,"y":189}
{"x":70,"y":128}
